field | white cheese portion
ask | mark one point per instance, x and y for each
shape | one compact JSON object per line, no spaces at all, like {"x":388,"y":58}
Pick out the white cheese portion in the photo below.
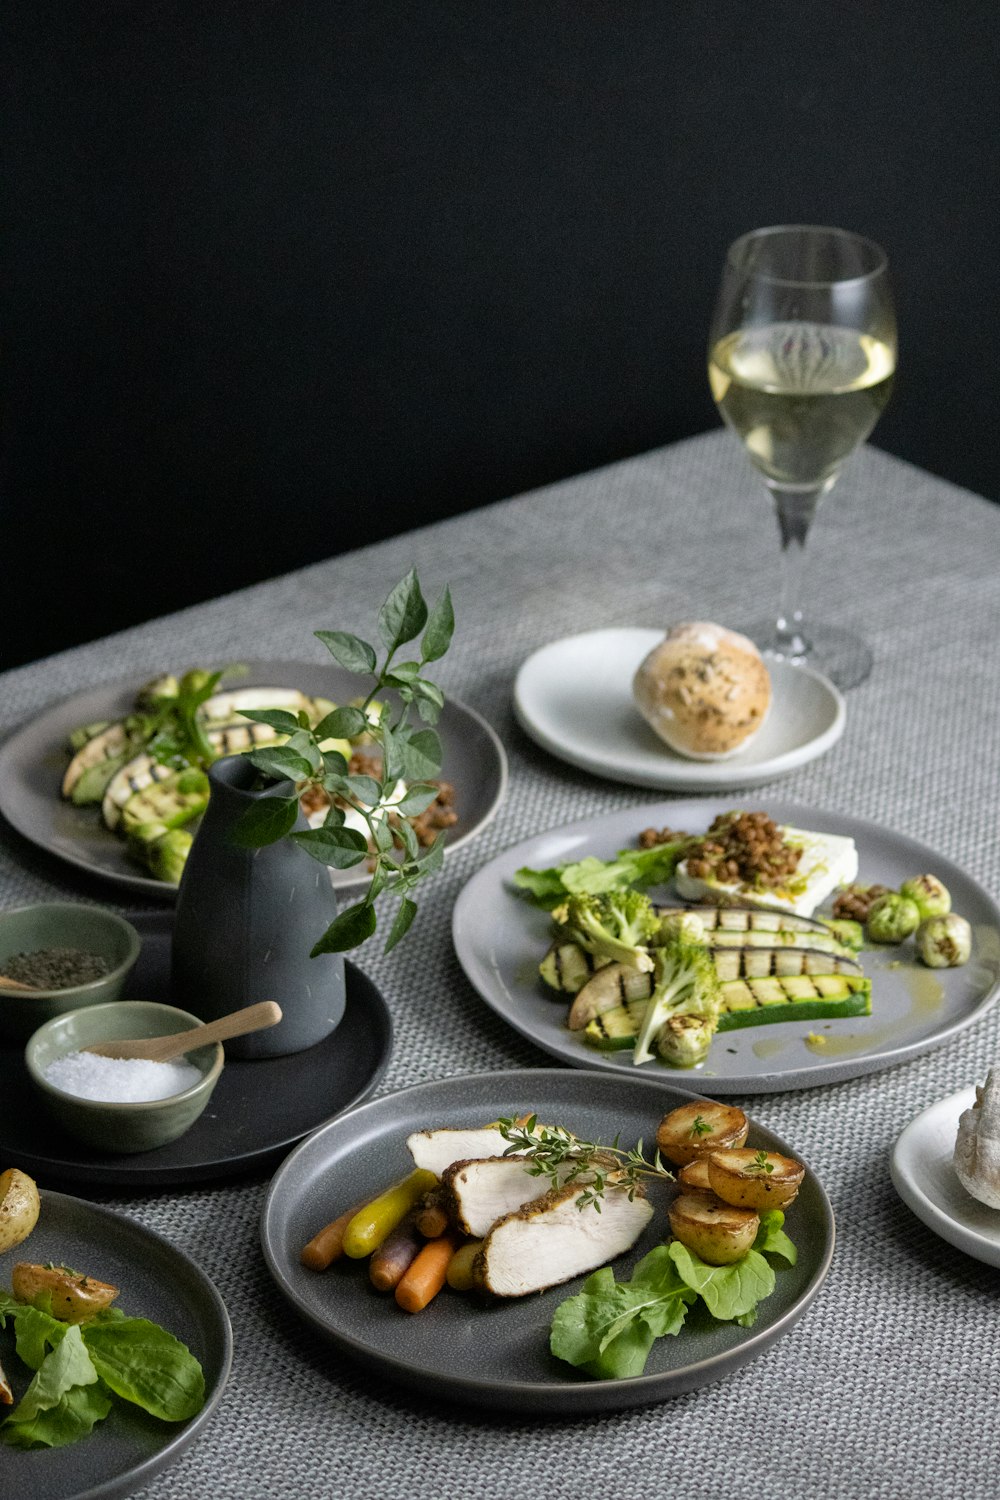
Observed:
{"x":828,"y":861}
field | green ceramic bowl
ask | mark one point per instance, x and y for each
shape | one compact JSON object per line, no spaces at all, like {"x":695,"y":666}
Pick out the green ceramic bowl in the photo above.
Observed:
{"x":63,"y":924}
{"x":125,"y":1128}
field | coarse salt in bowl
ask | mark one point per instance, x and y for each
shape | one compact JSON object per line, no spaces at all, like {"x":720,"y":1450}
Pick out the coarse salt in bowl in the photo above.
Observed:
{"x":121,"y":1125}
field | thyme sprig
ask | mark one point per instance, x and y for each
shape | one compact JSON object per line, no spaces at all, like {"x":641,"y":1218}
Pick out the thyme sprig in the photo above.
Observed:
{"x":760,"y":1163}
{"x":563,"y":1158}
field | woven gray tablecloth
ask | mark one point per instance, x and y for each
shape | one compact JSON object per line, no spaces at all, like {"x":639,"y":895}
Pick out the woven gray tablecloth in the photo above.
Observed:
{"x":887,"y":1387}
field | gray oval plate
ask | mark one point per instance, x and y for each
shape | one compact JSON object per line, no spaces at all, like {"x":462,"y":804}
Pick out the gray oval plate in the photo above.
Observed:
{"x":157,"y":1281}
{"x":500,"y":940}
{"x":496,"y":1354}
{"x":34,"y":758}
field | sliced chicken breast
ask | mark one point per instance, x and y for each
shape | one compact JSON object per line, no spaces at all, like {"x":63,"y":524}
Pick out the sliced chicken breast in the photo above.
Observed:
{"x":551,"y":1240}
{"x":436,"y":1150}
{"x":478,"y":1193}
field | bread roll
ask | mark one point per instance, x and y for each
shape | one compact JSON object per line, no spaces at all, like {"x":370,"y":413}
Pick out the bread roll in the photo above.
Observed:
{"x":705,"y":690}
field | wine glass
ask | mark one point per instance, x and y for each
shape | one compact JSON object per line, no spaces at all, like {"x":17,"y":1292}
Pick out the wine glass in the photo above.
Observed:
{"x":801,"y":359}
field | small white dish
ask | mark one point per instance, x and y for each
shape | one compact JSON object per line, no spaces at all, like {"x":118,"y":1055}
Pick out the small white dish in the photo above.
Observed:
{"x":923,"y":1176}
{"x":574,"y":698}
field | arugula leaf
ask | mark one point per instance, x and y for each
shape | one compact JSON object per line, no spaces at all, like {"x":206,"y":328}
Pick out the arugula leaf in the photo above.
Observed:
{"x":143,"y":1363}
{"x":64,"y":1400}
{"x":772,"y":1239}
{"x":36,"y":1331}
{"x":609,"y":1327}
{"x":728,"y":1291}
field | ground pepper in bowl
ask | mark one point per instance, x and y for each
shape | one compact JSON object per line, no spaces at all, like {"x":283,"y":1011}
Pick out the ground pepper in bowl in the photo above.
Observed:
{"x":56,"y":968}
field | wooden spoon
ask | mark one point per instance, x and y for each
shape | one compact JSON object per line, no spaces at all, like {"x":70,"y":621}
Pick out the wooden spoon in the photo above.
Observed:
{"x":163,"y":1048}
{"x":7,"y":983}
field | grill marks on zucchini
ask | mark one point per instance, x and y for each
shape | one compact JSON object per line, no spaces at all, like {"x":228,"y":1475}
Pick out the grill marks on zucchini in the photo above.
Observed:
{"x":759,"y":963}
{"x":747,"y":919}
{"x":750,"y":1002}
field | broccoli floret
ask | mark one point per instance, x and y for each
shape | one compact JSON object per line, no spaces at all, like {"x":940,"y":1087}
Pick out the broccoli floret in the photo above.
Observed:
{"x":683,"y":1009}
{"x":617,"y":926}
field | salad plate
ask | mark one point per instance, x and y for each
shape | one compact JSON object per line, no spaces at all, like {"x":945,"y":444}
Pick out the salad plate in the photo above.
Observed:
{"x":34,"y":758}
{"x":923,"y":1176}
{"x":157,"y":1281}
{"x":259,"y":1109}
{"x":574,"y":698}
{"x":500,"y":939}
{"x":496,"y":1354}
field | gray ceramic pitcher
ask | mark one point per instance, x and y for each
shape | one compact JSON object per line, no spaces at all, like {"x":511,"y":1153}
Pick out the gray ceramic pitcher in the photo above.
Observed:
{"x":246,"y":921}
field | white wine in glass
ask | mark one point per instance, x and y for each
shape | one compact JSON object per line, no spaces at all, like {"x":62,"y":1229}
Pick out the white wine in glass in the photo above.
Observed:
{"x":802,"y":355}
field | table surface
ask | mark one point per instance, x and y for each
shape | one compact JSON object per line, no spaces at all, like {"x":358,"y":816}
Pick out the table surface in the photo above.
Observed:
{"x":886,"y":1388}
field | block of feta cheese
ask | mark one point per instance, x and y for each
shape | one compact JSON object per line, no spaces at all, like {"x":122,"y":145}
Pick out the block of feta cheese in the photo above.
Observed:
{"x":828,"y":860}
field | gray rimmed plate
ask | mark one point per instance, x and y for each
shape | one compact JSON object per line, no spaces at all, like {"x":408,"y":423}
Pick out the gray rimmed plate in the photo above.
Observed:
{"x":495,"y":1354}
{"x":34,"y":758}
{"x":500,"y":940}
{"x":157,"y":1281}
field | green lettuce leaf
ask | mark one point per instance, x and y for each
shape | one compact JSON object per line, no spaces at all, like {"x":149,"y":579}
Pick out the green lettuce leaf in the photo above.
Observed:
{"x":143,"y":1363}
{"x":591,"y":876}
{"x":772,"y":1239}
{"x":609,"y":1327}
{"x":64,"y":1400}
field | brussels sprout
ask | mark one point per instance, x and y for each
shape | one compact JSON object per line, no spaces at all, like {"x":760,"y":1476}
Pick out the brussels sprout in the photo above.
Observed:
{"x":684,"y":1040}
{"x":931,"y":896}
{"x":892,"y":918}
{"x":944,"y":942}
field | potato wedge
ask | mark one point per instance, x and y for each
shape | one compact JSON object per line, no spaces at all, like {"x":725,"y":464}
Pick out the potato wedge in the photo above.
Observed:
{"x":697,"y":1128}
{"x":694,"y":1176}
{"x":67,"y":1295}
{"x":714,"y":1230}
{"x":18,"y":1207}
{"x":754,"y":1179}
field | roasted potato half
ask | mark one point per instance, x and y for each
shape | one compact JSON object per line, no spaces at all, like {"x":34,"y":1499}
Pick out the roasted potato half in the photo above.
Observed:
{"x":694,"y":1176}
{"x":714,"y":1230}
{"x":695,"y":1129}
{"x":67,"y":1295}
{"x":754,"y":1179}
{"x":18,"y":1207}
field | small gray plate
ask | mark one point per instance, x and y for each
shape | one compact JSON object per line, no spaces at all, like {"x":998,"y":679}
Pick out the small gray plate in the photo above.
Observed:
{"x":500,"y":940}
{"x":496,"y":1354}
{"x":157,"y":1281}
{"x":34,"y":758}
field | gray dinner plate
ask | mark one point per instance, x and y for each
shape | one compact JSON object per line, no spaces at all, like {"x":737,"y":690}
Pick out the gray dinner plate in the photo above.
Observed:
{"x":495,"y":1354}
{"x":34,"y":758}
{"x":500,"y":939}
{"x":157,"y":1281}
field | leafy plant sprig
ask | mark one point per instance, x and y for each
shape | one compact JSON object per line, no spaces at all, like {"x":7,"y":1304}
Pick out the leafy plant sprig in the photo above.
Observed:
{"x":410,"y":753}
{"x":760,"y":1163}
{"x":553,"y":1153}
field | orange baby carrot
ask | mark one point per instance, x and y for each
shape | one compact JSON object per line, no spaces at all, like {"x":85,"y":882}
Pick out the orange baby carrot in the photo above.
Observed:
{"x":426,"y":1276}
{"x":328,"y":1245}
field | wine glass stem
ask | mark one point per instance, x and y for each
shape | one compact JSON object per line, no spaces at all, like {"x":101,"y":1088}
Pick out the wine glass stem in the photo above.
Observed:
{"x":796,"y":509}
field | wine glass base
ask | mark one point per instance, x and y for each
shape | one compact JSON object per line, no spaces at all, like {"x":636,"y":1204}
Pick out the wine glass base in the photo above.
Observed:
{"x":839,"y":654}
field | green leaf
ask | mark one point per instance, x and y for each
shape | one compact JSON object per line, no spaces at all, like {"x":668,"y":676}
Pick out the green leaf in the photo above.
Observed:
{"x":350,"y":650}
{"x":349,"y":929}
{"x":364,"y":789}
{"x":280,"y":762}
{"x":341,"y":724}
{"x":429,"y":691}
{"x":432,"y":858}
{"x":401,"y":926}
{"x":36,"y":1331}
{"x":393,"y":748}
{"x":339,"y":848}
{"x":382,"y":835}
{"x":727,"y":1291}
{"x":334,"y":816}
{"x":421,"y":755}
{"x":265,"y":822}
{"x":772,"y":1239}
{"x":609,"y":1327}
{"x":63,"y":1402}
{"x":416,"y":799}
{"x":440,"y":629}
{"x":402,"y":672}
{"x":592,"y":876}
{"x":278,"y":718}
{"x":334,"y":763}
{"x":144,"y":1364}
{"x":428,"y":711}
{"x":404,"y":613}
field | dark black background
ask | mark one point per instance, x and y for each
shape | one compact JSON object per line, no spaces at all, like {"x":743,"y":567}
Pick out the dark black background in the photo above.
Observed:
{"x":283,"y":277}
